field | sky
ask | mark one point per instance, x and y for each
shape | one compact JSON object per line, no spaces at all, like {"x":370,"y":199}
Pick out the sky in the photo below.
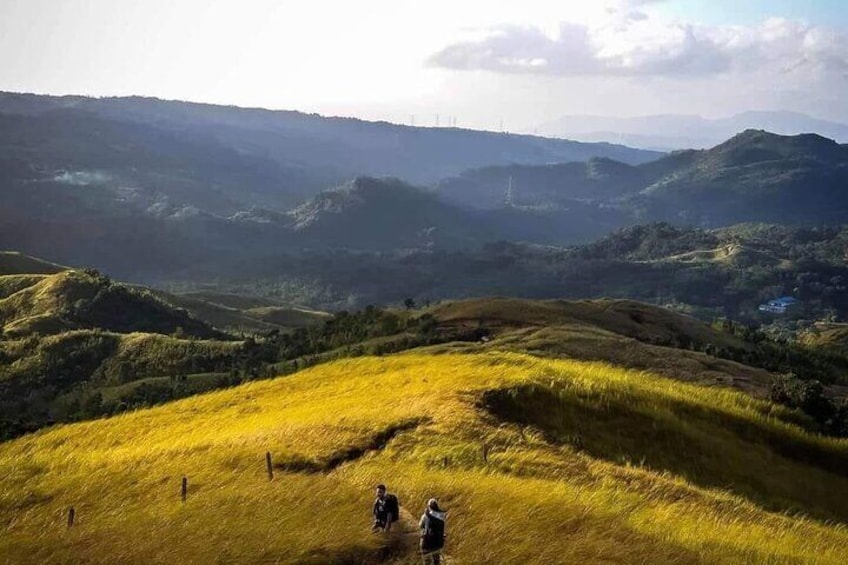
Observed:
{"x":476,"y":63}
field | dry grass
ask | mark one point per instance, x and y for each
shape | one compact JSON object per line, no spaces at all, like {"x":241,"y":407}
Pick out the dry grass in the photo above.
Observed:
{"x":47,"y":297}
{"x":826,"y":336}
{"x":534,"y":501}
{"x":624,"y":317}
{"x":10,"y":284}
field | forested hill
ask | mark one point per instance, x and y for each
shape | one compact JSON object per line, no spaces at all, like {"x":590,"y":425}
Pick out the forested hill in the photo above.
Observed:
{"x":320,"y":151}
{"x":756,"y":176}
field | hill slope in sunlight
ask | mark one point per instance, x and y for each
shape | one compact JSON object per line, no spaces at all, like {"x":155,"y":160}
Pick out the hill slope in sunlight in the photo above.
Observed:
{"x":583,"y":463}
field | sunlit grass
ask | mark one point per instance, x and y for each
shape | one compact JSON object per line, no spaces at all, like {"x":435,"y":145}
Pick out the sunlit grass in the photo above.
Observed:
{"x":535,"y":499}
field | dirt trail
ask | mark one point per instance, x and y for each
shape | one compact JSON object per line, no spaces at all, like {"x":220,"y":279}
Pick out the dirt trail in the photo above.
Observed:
{"x":404,"y":546}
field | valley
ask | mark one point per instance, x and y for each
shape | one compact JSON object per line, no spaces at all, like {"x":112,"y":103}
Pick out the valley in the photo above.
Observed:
{"x":221,"y":327}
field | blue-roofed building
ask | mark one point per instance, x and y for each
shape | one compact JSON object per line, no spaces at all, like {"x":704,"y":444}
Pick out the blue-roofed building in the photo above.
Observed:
{"x":779,"y":305}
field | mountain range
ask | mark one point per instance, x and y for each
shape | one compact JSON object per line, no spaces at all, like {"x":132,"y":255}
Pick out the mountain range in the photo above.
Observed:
{"x":756,"y":176}
{"x":666,"y":132}
{"x":272,"y":155}
{"x":149,"y":190}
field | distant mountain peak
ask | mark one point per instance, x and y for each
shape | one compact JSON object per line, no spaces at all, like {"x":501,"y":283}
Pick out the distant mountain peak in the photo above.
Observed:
{"x":371,"y":197}
{"x":376,"y":185}
{"x":364,"y":188}
{"x":679,"y":131}
{"x":755,"y":134}
{"x":772,"y":146}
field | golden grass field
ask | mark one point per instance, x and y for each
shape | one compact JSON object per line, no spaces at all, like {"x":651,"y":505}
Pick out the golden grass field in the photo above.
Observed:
{"x":587,"y":463}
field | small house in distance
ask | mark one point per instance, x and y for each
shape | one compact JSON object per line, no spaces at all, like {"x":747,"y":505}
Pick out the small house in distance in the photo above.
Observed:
{"x":779,"y":305}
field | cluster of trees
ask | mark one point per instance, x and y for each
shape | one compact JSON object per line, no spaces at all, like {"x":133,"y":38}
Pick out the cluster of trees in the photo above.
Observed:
{"x":89,"y":402}
{"x":719,"y":273}
{"x":781,"y":356}
{"x":803,"y":371}
{"x":830,"y":416}
{"x":351,"y":333}
{"x":46,"y":379}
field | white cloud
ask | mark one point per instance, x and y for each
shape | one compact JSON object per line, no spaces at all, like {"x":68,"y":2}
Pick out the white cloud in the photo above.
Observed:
{"x":632,"y":42}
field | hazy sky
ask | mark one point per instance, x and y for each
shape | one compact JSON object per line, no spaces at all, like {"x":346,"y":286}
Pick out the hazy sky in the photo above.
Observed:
{"x":482,"y":61}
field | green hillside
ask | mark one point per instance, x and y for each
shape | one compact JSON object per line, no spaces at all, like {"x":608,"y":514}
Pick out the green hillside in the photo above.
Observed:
{"x":371,"y":213}
{"x":243,"y":314}
{"x":625,"y":317}
{"x":755,"y":176}
{"x":558,"y":184}
{"x":66,"y":337}
{"x":536,"y":461}
{"x":626,"y":333}
{"x":721,"y":273}
{"x":612,"y":430}
{"x":87,"y":299}
{"x":11,"y":284}
{"x":77,"y":345}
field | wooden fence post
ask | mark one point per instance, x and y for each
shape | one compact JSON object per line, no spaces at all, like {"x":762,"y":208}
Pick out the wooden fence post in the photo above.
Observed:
{"x":184,"y":489}
{"x":485,"y":453}
{"x":269,"y":466}
{"x":71,"y":515}
{"x":445,"y":462}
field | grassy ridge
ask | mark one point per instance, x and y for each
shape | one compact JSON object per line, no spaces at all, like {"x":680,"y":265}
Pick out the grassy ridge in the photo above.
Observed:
{"x":10,"y":284}
{"x":64,"y":335}
{"x":539,"y":498}
{"x":242,"y":313}
{"x":625,"y":317}
{"x":87,"y":299}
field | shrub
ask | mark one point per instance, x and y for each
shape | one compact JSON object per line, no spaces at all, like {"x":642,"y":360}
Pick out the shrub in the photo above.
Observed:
{"x":809,"y":397}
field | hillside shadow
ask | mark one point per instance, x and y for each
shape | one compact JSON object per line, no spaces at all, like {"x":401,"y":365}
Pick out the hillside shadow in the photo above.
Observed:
{"x":375,"y":442}
{"x":708,"y":447}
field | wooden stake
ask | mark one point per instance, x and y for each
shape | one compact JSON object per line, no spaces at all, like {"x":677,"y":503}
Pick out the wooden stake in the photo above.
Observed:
{"x":485,"y":453}
{"x":184,"y":489}
{"x":71,"y":515}
{"x":445,"y":462}
{"x":269,"y":466}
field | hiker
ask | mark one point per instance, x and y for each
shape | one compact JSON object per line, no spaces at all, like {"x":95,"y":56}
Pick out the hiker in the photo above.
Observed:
{"x":386,"y":510}
{"x":432,"y":526}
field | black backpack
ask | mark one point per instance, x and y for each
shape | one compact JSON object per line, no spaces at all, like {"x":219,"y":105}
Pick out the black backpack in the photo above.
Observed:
{"x":392,"y":506}
{"x":434,"y":535}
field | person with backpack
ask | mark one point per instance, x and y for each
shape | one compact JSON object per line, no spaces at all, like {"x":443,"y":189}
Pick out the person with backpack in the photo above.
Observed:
{"x":432,"y":526}
{"x":386,"y":510}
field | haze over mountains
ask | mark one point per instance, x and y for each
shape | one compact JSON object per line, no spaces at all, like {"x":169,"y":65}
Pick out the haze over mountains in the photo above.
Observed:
{"x":183,"y":194}
{"x":667,"y":132}
{"x":151,"y":190}
{"x":306,"y":151}
{"x":754,"y":176}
